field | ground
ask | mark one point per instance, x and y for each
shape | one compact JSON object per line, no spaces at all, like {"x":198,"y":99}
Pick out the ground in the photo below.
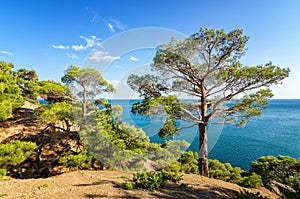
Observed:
{"x":104,"y":184}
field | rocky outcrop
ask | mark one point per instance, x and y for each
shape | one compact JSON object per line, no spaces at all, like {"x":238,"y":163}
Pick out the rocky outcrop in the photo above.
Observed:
{"x":279,"y":188}
{"x":51,"y":143}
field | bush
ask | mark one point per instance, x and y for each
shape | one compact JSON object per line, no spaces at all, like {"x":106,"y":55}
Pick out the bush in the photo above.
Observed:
{"x":253,"y":181}
{"x":127,"y":185}
{"x":149,"y":180}
{"x":82,"y":160}
{"x":14,"y":152}
{"x":172,"y":176}
{"x":248,"y":195}
{"x":189,"y":162}
{"x":2,"y":173}
{"x":154,"y":179}
{"x":282,"y":169}
{"x":225,"y":172}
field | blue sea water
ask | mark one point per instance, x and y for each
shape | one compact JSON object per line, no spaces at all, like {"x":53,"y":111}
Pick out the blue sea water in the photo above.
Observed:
{"x":276,"y":132}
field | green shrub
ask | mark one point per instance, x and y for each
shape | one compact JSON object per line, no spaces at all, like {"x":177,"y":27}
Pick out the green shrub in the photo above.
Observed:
{"x":189,"y":162}
{"x":282,"y":169}
{"x":2,"y":173}
{"x":253,"y":181}
{"x":127,"y":185}
{"x":248,"y":195}
{"x":154,"y":179}
{"x":149,"y":180}
{"x":15,"y":152}
{"x":172,"y":176}
{"x":174,"y":167}
{"x":82,"y":160}
{"x":225,"y":172}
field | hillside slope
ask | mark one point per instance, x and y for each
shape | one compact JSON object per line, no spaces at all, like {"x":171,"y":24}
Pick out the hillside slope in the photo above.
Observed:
{"x":104,"y":184}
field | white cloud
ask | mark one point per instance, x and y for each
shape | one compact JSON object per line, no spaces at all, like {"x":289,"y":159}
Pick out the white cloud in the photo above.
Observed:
{"x":117,"y":24}
{"x":72,"y":55}
{"x":114,"y":24}
{"x":110,"y":26}
{"x":91,"y":41}
{"x":6,"y":52}
{"x":95,"y":16}
{"x":132,"y":58}
{"x":99,"y":56}
{"x":93,"y":13}
{"x":60,"y":47}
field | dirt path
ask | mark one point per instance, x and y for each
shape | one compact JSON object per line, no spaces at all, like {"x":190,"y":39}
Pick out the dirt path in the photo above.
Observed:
{"x":104,"y":184}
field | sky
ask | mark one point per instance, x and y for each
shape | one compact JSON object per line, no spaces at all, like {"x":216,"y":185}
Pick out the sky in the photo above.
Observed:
{"x":50,"y":35}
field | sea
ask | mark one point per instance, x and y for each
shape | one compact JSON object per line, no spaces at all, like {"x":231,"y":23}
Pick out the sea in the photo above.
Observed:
{"x":275,"y":132}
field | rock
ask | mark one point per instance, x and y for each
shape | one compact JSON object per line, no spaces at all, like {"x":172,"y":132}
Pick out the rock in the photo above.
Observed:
{"x":29,"y":105}
{"x":278,"y":188}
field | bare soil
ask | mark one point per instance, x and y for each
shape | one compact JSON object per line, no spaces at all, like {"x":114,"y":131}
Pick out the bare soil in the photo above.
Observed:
{"x":105,"y":184}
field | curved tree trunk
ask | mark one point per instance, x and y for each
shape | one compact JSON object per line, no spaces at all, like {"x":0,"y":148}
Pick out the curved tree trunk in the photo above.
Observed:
{"x":203,"y":151}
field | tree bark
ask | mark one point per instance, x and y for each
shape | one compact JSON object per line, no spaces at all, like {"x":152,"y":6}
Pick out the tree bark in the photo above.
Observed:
{"x":203,"y":151}
{"x":84,"y":103}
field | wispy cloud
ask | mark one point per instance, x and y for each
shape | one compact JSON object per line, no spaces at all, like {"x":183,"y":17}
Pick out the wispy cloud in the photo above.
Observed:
{"x":91,"y":41}
{"x":72,"y":55}
{"x":60,"y":47}
{"x":132,"y":58}
{"x":114,"y":24}
{"x":99,"y":56}
{"x":118,"y":24}
{"x":93,"y":13}
{"x":6,"y":52}
{"x":110,"y":26}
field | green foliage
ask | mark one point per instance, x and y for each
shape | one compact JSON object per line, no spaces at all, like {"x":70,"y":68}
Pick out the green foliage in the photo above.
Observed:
{"x":10,"y":93}
{"x":154,"y":179}
{"x":127,"y":185}
{"x":59,"y":111}
{"x":149,"y":180}
{"x":54,"y":91}
{"x":15,"y":151}
{"x":2,"y":173}
{"x":189,"y":162}
{"x":124,"y":146}
{"x":28,"y":82}
{"x":248,"y":195}
{"x":283,"y":169}
{"x":172,"y":176}
{"x":225,"y":171}
{"x":6,"y":109}
{"x":254,"y":181}
{"x":45,"y":185}
{"x":82,"y":160}
{"x":90,"y":81}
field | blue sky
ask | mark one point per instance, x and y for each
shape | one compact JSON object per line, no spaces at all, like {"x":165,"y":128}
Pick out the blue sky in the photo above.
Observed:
{"x":48,"y":36}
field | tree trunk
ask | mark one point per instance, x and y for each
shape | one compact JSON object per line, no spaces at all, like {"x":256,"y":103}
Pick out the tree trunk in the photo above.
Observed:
{"x":84,"y":104}
{"x":203,"y":151}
